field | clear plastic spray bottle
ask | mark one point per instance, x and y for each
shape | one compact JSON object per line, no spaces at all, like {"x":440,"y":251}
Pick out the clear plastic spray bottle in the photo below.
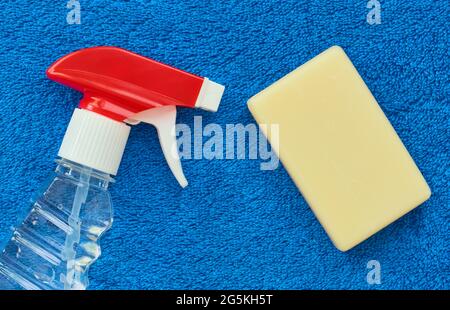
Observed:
{"x":53,"y":247}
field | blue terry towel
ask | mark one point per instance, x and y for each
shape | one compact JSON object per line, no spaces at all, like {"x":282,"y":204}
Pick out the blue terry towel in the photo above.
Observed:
{"x":235,"y":226}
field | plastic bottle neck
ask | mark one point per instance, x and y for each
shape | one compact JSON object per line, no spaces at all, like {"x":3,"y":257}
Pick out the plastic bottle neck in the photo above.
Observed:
{"x":73,"y":170}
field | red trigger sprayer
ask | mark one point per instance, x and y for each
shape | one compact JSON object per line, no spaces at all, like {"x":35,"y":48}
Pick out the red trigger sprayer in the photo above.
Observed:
{"x":122,"y":87}
{"x":57,"y":242}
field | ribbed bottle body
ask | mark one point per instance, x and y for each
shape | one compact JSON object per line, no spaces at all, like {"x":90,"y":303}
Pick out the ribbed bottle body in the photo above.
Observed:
{"x":53,"y":247}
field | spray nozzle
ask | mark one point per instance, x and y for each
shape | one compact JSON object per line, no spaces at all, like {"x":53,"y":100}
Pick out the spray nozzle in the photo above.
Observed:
{"x":122,"y":86}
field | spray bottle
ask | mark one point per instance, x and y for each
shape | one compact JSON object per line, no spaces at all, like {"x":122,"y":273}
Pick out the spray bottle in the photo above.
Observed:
{"x":55,"y":244}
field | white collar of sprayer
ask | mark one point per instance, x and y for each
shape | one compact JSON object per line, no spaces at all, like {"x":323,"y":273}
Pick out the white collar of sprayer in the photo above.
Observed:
{"x":95,"y":141}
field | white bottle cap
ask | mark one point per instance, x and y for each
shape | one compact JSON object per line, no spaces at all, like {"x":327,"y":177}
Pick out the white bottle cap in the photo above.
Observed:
{"x":95,"y":141}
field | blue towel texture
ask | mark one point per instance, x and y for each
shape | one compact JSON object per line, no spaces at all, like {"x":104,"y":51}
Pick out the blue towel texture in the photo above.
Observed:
{"x":235,"y":226}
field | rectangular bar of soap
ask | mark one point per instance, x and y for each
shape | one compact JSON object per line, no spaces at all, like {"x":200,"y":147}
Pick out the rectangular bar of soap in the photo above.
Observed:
{"x":339,"y":148}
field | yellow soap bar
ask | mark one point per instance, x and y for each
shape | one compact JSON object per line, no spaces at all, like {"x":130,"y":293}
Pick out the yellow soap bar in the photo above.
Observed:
{"x":339,"y":148}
